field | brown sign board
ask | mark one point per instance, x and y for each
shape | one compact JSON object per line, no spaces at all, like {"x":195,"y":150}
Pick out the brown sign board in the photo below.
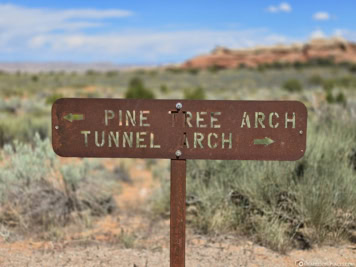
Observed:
{"x":199,"y":129}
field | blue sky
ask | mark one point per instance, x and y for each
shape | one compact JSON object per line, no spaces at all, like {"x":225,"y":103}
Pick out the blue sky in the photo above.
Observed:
{"x":155,"y":32}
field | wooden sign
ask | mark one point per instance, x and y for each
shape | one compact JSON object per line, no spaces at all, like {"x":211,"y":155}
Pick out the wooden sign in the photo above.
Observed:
{"x":184,"y":129}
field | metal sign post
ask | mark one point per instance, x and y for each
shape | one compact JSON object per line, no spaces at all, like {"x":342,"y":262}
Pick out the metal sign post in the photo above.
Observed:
{"x":177,"y":220}
{"x":179,"y":130}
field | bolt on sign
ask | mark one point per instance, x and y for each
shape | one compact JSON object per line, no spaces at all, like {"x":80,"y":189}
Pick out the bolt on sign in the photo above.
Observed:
{"x":179,"y":130}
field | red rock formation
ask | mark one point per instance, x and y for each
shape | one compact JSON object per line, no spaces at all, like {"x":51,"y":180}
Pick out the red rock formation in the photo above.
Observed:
{"x":336,"y":49}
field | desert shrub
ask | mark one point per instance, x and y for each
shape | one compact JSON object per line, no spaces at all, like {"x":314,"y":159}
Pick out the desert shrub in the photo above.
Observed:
{"x":52,"y":98}
{"x":242,"y":66}
{"x":137,"y":90}
{"x":11,"y":105}
{"x":215,"y":68}
{"x":35,"y":78}
{"x":316,"y":80}
{"x":338,"y":99}
{"x":352,"y":68}
{"x":112,"y":73}
{"x":279,"y":65}
{"x":322,"y":62}
{"x":193,"y":71}
{"x":175,"y":70}
{"x":91,"y":72}
{"x":298,"y":65}
{"x":23,"y":128}
{"x":279,"y":204}
{"x":328,"y":85}
{"x":345,"y":82}
{"x":195,"y":94}
{"x":164,"y":89}
{"x":329,"y":97}
{"x":36,"y":192}
{"x":292,"y":85}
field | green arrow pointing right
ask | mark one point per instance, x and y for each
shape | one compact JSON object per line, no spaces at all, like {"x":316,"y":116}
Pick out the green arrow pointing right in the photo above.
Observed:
{"x":265,"y":141}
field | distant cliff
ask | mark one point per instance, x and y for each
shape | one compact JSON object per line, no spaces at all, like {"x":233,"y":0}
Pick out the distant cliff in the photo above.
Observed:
{"x":336,"y":49}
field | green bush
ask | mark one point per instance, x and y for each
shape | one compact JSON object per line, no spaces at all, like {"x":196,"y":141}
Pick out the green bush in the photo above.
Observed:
{"x":292,"y":85}
{"x":346,"y":82}
{"x":339,"y":99}
{"x":352,"y":68}
{"x":175,"y":70}
{"x":195,"y":94}
{"x":91,"y":72}
{"x":298,"y":65}
{"x":328,"y":85}
{"x":112,"y":73}
{"x":164,"y":89}
{"x":52,"y":98}
{"x":35,"y":78}
{"x":316,"y":80}
{"x":23,"y":128}
{"x":137,"y":90}
{"x":215,"y":68}
{"x":193,"y":71}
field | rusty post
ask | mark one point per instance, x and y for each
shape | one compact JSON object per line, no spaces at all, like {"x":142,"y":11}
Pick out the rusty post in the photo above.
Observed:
{"x":177,"y":223}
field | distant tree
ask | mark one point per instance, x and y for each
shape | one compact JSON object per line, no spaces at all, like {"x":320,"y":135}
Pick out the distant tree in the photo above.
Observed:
{"x":292,"y":85}
{"x":136,"y":89}
{"x":34,"y":78}
{"x":328,"y":85}
{"x":316,"y":80}
{"x":164,"y":88}
{"x":215,"y":68}
{"x":196,"y":94}
{"x":193,"y":71}
{"x":352,"y":68}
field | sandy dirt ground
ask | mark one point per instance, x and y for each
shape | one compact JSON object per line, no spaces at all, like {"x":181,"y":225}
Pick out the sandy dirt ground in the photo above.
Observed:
{"x":147,"y":241}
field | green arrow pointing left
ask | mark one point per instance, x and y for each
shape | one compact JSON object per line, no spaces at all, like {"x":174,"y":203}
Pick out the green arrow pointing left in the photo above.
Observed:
{"x":73,"y":117}
{"x":265,"y":141}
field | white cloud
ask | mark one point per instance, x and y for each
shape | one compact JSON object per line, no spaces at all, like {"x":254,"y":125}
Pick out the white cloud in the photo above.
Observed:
{"x":317,"y":34}
{"x":321,"y":15}
{"x":345,"y":33}
{"x":20,"y":20}
{"x":282,"y":7}
{"x":53,"y":34}
{"x":285,"y":7}
{"x":149,"y":46}
{"x":20,"y":24}
{"x":340,"y":32}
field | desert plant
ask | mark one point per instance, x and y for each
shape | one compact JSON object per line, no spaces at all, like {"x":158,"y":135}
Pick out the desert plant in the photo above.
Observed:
{"x":193,"y":71}
{"x":195,"y":94}
{"x":137,"y":89}
{"x":52,"y":98}
{"x":292,"y":85}
{"x":33,"y":196}
{"x":352,"y":68}
{"x":23,"y":128}
{"x":316,"y":80}
{"x":328,"y":85}
{"x":215,"y":68}
{"x":279,"y":204}
{"x":338,"y":99}
{"x":164,"y":89}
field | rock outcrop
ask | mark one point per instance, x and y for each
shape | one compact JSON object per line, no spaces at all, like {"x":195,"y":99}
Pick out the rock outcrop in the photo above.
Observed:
{"x":336,"y":49}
